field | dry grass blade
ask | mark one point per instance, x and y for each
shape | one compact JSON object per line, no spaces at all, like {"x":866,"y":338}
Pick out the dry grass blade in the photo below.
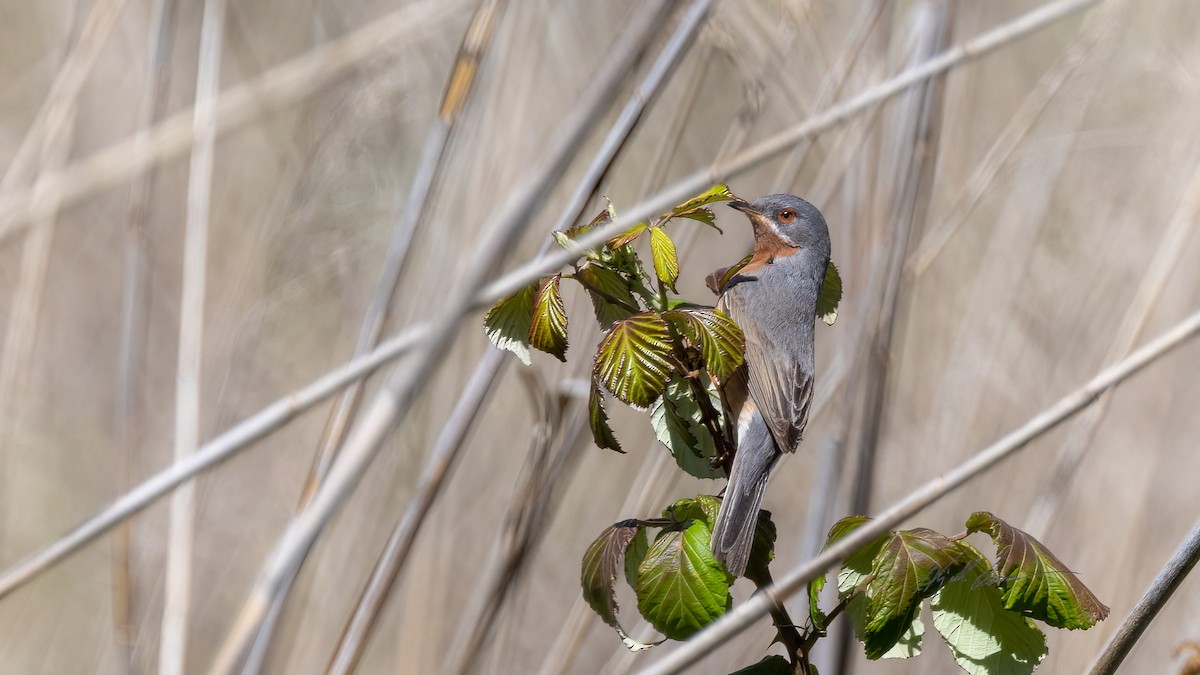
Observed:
{"x":1139,"y":618}
{"x":181,"y":533}
{"x":758,"y":606}
{"x":395,"y":400}
{"x":127,"y":421}
{"x":283,"y":85}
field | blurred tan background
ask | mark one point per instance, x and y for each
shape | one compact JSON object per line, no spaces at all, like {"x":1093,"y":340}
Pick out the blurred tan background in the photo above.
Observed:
{"x":1051,"y":196}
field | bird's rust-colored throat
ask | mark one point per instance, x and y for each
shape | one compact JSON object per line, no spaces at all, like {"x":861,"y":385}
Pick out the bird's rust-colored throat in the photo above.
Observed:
{"x":768,"y":245}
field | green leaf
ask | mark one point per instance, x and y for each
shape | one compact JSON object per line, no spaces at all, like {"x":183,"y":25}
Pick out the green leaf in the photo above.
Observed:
{"x":666,"y":260}
{"x":1033,"y":581}
{"x":600,"y":564}
{"x":770,"y":665}
{"x":598,"y":421}
{"x":857,"y":567}
{"x":548,"y":332}
{"x":713,"y":195}
{"x":610,"y":293}
{"x":719,"y":339}
{"x":635,"y":553}
{"x":831,"y":294}
{"x":702,"y":215}
{"x":677,"y":422}
{"x":508,"y":322}
{"x":628,"y":236}
{"x":910,"y":566}
{"x":633,"y":359}
{"x":762,"y":549}
{"x":907,"y":646}
{"x":681,"y":586}
{"x":985,"y":638}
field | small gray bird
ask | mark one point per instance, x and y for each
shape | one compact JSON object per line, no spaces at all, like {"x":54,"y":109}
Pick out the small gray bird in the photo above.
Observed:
{"x":774,"y":300}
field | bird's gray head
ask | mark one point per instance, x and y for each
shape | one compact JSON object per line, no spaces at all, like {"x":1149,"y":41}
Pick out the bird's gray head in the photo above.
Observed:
{"x":797,"y":223}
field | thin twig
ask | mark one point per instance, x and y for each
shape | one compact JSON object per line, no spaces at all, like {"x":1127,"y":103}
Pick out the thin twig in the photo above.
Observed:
{"x":286,"y":408}
{"x":744,"y":615}
{"x":182,"y":523}
{"x":127,"y":421}
{"x":280,"y":86}
{"x":394,"y":401}
{"x":1139,"y":618}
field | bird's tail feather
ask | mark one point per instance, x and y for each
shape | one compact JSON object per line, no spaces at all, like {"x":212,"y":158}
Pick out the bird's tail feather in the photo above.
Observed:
{"x":733,"y":533}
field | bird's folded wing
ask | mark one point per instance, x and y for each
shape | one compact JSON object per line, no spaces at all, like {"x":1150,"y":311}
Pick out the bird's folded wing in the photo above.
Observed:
{"x":773,"y":380}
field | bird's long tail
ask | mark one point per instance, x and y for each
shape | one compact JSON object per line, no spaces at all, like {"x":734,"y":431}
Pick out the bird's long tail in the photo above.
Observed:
{"x":733,"y":533}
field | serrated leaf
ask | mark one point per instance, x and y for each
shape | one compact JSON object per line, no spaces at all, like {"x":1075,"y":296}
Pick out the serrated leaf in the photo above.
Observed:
{"x":666,"y":259}
{"x":831,"y":294}
{"x":716,"y":193}
{"x":633,"y":359}
{"x":702,"y":215}
{"x":857,"y":567}
{"x":910,"y":566}
{"x":548,"y":331}
{"x":507,"y":322}
{"x":609,"y":292}
{"x":907,"y":646}
{"x":681,"y":586}
{"x":985,"y":638}
{"x":602,"y":433}
{"x":762,"y":549}
{"x":601,"y":561}
{"x":719,"y":339}
{"x":678,"y":424}
{"x":628,"y":236}
{"x":770,"y":665}
{"x":1033,"y":581}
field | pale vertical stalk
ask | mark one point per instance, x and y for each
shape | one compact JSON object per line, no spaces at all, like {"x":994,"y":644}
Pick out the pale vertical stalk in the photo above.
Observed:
{"x":126,"y":413}
{"x":181,"y":533}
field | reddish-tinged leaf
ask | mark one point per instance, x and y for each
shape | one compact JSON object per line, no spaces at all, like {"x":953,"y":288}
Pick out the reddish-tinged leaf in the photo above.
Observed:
{"x":1033,"y":581}
{"x":548,"y":331}
{"x":601,"y":562}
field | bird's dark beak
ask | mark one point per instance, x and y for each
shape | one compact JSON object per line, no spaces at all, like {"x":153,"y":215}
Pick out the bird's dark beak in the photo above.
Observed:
{"x":742,"y":206}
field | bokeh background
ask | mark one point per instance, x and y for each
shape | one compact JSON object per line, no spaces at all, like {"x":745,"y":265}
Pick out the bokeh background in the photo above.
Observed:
{"x":1002,"y":234}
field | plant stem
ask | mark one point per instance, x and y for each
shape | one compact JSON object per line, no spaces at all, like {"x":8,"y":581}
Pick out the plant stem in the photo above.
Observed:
{"x":797,"y":646}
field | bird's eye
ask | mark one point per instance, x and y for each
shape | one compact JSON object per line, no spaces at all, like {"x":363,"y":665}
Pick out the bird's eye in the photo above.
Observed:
{"x":787,"y":216}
